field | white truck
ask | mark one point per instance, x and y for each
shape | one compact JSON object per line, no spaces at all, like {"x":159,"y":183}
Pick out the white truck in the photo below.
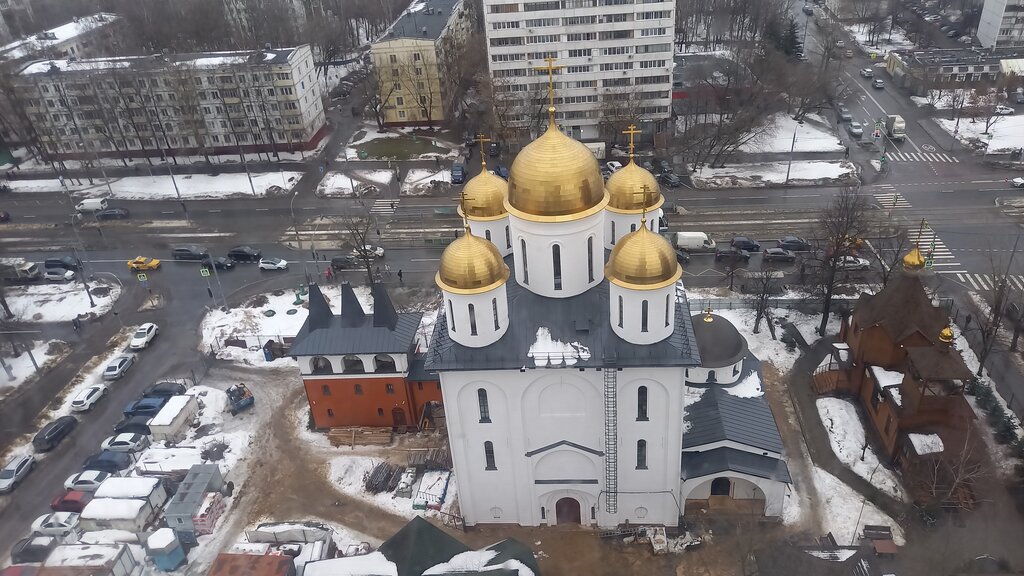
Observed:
{"x":895,"y":127}
{"x":692,"y":241}
{"x":19,"y":271}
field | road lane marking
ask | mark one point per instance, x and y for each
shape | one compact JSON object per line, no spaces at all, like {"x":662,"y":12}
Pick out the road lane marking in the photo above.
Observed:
{"x":213,"y":211}
{"x":262,"y":209}
{"x":168,"y":212}
{"x":424,"y":259}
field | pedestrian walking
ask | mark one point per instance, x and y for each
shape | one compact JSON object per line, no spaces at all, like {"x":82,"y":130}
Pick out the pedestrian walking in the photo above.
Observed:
{"x":400,"y":275}
{"x":378,"y":233}
{"x":76,"y":323}
{"x":387,"y":271}
{"x":377,"y":272}
{"x":847,"y":154}
{"x":437,"y":161}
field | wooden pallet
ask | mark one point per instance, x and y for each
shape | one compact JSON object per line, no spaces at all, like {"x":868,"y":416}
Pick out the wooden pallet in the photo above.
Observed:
{"x":352,"y":436}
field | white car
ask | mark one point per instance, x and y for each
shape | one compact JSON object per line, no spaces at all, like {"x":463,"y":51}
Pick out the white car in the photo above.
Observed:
{"x":57,"y":524}
{"x":88,"y":481}
{"x":852,"y":263}
{"x":1017,"y":182}
{"x":15,"y":471}
{"x":126,"y":443}
{"x":87,"y":398}
{"x":932,"y":18}
{"x":58,"y":274}
{"x":614,"y":166}
{"x":118,"y":366}
{"x":143,"y":336}
{"x":370,"y":250}
{"x":867,"y":72}
{"x":1004,"y":110}
{"x":273,"y":264}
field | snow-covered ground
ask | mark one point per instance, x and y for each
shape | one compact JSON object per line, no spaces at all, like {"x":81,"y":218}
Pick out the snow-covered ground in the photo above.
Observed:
{"x":342,"y":184}
{"x":60,"y":301}
{"x":813,"y":135}
{"x":946,"y":99}
{"x":336,"y":184}
{"x":190,"y":186}
{"x":843,"y":511}
{"x":761,"y":344}
{"x":33,"y":164}
{"x":765,"y":173}
{"x":846,"y":434}
{"x":347,"y":473}
{"x":421,"y":182}
{"x":1007,"y":133}
{"x":382,"y":177}
{"x":897,"y":40}
{"x":45,"y":353}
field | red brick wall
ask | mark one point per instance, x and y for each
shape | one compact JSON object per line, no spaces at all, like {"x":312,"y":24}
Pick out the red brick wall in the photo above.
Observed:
{"x":340,"y":405}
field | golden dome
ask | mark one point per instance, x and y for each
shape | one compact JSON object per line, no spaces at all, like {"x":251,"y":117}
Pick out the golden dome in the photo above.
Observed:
{"x":643,"y":260}
{"x":470,"y":265}
{"x":484,"y":197}
{"x":626,"y":192}
{"x":555,"y":179}
{"x":914,"y":260}
{"x":946,"y":335}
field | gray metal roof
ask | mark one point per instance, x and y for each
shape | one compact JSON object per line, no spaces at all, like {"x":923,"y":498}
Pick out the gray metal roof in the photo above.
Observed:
{"x":427,"y":22}
{"x":719,"y":342}
{"x":720,"y":416}
{"x":582,"y":319}
{"x":698,"y":464}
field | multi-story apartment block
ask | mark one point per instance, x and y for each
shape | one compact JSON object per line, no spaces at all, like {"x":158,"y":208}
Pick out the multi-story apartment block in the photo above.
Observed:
{"x":413,"y":60}
{"x":1001,"y":23}
{"x":16,"y":18}
{"x":138,"y":106}
{"x":614,"y":60}
{"x":83,"y":37}
{"x":242,"y":13}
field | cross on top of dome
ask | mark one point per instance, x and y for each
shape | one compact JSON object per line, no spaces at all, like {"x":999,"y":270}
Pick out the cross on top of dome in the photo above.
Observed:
{"x":481,"y":139}
{"x":631,"y":130}
{"x":550,"y":68}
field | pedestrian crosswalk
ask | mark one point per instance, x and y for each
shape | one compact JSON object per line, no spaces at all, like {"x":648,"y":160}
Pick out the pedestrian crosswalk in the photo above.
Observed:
{"x":919,"y":157}
{"x":932,"y":247}
{"x":986,"y":282}
{"x":384,"y":206}
{"x":890,"y":201}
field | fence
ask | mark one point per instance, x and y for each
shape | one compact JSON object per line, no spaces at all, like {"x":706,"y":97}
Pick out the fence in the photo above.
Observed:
{"x":805,"y":305}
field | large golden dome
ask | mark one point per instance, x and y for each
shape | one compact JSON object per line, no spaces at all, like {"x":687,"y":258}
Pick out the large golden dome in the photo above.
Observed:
{"x":470,"y":265}
{"x":555,"y":179}
{"x":627,"y":193}
{"x":484,"y":197}
{"x":643,"y":260}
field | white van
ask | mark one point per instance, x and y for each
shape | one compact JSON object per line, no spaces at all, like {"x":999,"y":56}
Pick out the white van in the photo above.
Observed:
{"x":694,"y":242}
{"x":92,"y":205}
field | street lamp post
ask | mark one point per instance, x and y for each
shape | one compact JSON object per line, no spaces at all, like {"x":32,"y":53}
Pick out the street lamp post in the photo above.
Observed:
{"x":113,"y":307}
{"x":792,"y":149}
{"x":298,"y":237}
{"x":78,"y":239}
{"x":863,"y":503}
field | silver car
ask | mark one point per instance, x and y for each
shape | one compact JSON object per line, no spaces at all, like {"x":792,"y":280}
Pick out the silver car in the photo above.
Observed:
{"x":15,"y":472}
{"x":118,"y":366}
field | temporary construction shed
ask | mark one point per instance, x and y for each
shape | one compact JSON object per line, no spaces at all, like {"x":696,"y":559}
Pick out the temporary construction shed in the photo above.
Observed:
{"x":91,"y":559}
{"x":196,"y":506}
{"x":150,"y":489}
{"x":116,"y":514}
{"x":171,"y":422}
{"x":165,"y":549}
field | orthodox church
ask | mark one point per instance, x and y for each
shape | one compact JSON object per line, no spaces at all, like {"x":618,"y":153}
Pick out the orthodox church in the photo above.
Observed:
{"x":565,"y":347}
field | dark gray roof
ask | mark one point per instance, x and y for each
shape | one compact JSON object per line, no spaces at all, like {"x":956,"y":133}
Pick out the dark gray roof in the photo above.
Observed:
{"x":720,"y":416}
{"x":355,"y":333}
{"x":582,"y":319}
{"x":719,"y":342}
{"x":511,"y":549}
{"x":417,"y":373}
{"x":698,"y":464}
{"x":433,"y":17}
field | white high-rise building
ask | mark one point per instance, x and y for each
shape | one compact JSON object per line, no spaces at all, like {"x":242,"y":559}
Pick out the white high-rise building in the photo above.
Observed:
{"x":615,"y":59}
{"x":1001,"y":24}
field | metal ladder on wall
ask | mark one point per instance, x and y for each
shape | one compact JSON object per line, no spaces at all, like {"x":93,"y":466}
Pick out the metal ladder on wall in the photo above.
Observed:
{"x":611,"y":441}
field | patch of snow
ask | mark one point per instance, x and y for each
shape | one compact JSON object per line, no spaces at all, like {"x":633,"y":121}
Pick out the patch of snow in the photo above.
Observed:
{"x":807,"y":325}
{"x":764,"y":173}
{"x":45,"y":353}
{"x":190,"y":186}
{"x":547,"y":351}
{"x":419,"y":181}
{"x":841,"y":555}
{"x":113,"y":508}
{"x":129,"y":487}
{"x":160,"y":539}
{"x":60,"y":302}
{"x":846,"y":435}
{"x":840,"y":507}
{"x":897,"y":395}
{"x":109,"y":537}
{"x":375,"y":563}
{"x":170,"y":411}
{"x":336,"y":184}
{"x":347,"y":474}
{"x":157,"y":461}
{"x":885,"y":377}
{"x":82,"y":555}
{"x":749,"y":387}
{"x":471,"y":561}
{"x":1007,"y":133}
{"x":896,"y":39}
{"x":375,"y":176}
{"x":93,"y":376}
{"x":691,"y":395}
{"x":926,"y":443}
{"x":813,"y":135}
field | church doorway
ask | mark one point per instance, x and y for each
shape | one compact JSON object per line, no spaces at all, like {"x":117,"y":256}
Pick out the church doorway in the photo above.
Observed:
{"x":721,"y":487}
{"x":398,"y":417}
{"x":567,"y":511}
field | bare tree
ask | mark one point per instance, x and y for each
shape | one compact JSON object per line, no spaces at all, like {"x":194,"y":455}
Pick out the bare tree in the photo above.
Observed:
{"x":842,"y":225}
{"x":948,"y":480}
{"x":889,"y":243}
{"x":422,"y":82}
{"x":8,"y":314}
{"x":355,"y":230}
{"x":620,"y":107}
{"x":189,"y":106}
{"x":989,"y":322}
{"x":761,"y":284}
{"x":460,"y":59}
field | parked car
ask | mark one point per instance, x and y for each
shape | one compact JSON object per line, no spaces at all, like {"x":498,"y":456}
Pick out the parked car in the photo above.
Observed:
{"x":5,"y":216}
{"x":844,"y":114}
{"x":58,"y":274}
{"x":346,"y":262}
{"x":848,"y":54}
{"x":87,"y":481}
{"x":166,"y":388}
{"x":732,"y":254}
{"x":852,"y":263}
{"x":840,"y":44}
{"x":794,"y":243}
{"x":73,"y":501}
{"x":867,"y":72}
{"x":952,"y":34}
{"x":458,"y":173}
{"x":133,"y":425}
{"x":140,"y":263}
{"x":808,"y":9}
{"x":1018,"y":97}
{"x":744,"y":243}
{"x":189,"y":252}
{"x":613,"y":165}
{"x":682,"y":256}
{"x":144,"y":334}
{"x":87,"y":398}
{"x":145,"y":406}
{"x":126,"y":443}
{"x":273,"y":264}
{"x":50,"y":436}
{"x":493,"y":149}
{"x":113,"y":214}
{"x":118,"y":366}
{"x":877,"y":83}
{"x":1017,"y":182}
{"x":778,"y":255}
{"x":107,"y":461}
{"x":219,"y":262}
{"x":669,"y":179}
{"x":932,"y":18}
{"x":661,"y":166}
{"x":34,"y":549}
{"x":855,"y":129}
{"x":500,"y":170}
{"x":57,"y":524}
{"x":244,"y":254}
{"x":66,"y":262}
{"x":15,"y":471}
{"x":370,"y":250}
{"x":1004,"y":110}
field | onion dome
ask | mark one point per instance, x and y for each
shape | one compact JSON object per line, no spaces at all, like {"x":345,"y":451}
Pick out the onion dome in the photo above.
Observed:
{"x":484,"y":197}
{"x":946,"y":335}
{"x":643,"y":260}
{"x":470,"y":265}
{"x":632,"y":190}
{"x":914,"y":260}
{"x":718,"y":341}
{"x":555,"y":179}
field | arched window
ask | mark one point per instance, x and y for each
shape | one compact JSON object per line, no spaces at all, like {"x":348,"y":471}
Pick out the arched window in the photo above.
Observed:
{"x":489,"y":456}
{"x":526,"y":269}
{"x":485,"y":409}
{"x":472,"y":320}
{"x":613,"y":231}
{"x":494,"y":312}
{"x":353,"y":364}
{"x":358,"y":389}
{"x":556,"y":265}
{"x":321,"y":365}
{"x":384,"y":363}
{"x":508,"y":238}
{"x":641,"y":403}
{"x":487,"y":235}
{"x":620,"y":311}
{"x":590,"y":259}
{"x":668,"y":308}
{"x":641,"y":454}
{"x":451,"y":317}
{"x":643,"y":316}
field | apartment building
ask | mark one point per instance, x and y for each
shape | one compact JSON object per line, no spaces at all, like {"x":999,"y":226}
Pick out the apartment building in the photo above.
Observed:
{"x":614,"y":59}
{"x":242,"y":13}
{"x":16,"y":19}
{"x":411,"y":62}
{"x":208,"y":103}
{"x":1001,"y":24}
{"x":84,"y":37}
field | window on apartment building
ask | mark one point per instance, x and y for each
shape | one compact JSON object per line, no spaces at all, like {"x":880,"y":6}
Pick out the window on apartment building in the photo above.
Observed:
{"x":581,"y":36}
{"x":616,"y":50}
{"x":416,"y":57}
{"x":503,"y":8}
{"x":515,"y":41}
{"x":652,"y":64}
{"x":326,"y":390}
{"x":615,"y":82}
{"x":283,"y":75}
{"x":577,"y":69}
{"x":614,"y":18}
{"x":569,"y":4}
{"x":541,"y":56}
{"x":420,"y":85}
{"x":615,"y":35}
{"x":543,"y":38}
{"x":580,"y":53}
{"x":653,"y":32}
{"x":508,"y":57}
{"x":653,"y":48}
{"x":330,"y":413}
{"x":653,"y":15}
{"x":380,"y":411}
{"x":576,"y":20}
{"x":504,"y":25}
{"x":542,"y":22}
{"x":399,"y":101}
{"x":419,"y":71}
{"x":389,"y":388}
{"x":397,"y":86}
{"x":401,"y":113}
{"x":537,"y":6}
{"x":616,"y":66}
{"x":394,"y":72}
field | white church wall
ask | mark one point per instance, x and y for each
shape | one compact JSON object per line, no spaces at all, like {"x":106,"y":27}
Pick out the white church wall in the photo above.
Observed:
{"x":497,"y":231}
{"x":572,"y":238}
{"x":723,"y":375}
{"x":617,"y":225}
{"x":460,"y":325}
{"x":659,"y":324}
{"x":743,"y":487}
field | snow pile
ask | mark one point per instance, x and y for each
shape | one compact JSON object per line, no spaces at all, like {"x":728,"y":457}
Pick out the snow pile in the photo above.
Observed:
{"x":926,"y":443}
{"x":158,"y":461}
{"x":376,"y":564}
{"x":348,"y":474}
{"x":336,"y":185}
{"x":843,"y":511}
{"x":45,"y":353}
{"x":813,"y":135}
{"x":189,"y":186}
{"x":421,"y":182}
{"x":749,"y":387}
{"x":113,"y":509}
{"x":1007,"y":133}
{"x":885,"y":377}
{"x":160,"y":539}
{"x":691,"y":396}
{"x":472,"y":561}
{"x":946,"y":99}
{"x":109,"y":537}
{"x":170,"y":411}
{"x":60,"y":302}
{"x":546,"y":351}
{"x":384,"y":177}
{"x":131,"y":487}
{"x":846,"y":435}
{"x":767,"y":173}
{"x":83,"y":555}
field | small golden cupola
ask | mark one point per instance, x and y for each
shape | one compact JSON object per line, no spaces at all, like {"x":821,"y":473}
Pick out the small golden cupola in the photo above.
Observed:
{"x":633,"y":190}
{"x":470,"y":265}
{"x":484,"y":197}
{"x":946,"y":335}
{"x":643,"y":260}
{"x":914,"y":260}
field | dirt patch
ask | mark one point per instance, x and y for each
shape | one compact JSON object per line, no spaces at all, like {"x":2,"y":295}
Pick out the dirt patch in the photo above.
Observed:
{"x":260,"y":300}
{"x":57,"y":348}
{"x":214,"y":452}
{"x":100,"y":291}
{"x":206,"y":430}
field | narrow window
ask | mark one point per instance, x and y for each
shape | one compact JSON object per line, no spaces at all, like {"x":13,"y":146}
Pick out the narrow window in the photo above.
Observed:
{"x":487,"y":235}
{"x":508,"y":238}
{"x":489,"y":456}
{"x":326,"y":390}
{"x":643,"y":316}
{"x":485,"y":409}
{"x":472,"y":320}
{"x":526,"y":269}
{"x":419,"y":386}
{"x":380,"y":411}
{"x":330,"y":413}
{"x":641,"y":454}
{"x":451,"y":316}
{"x":632,"y":227}
{"x":494,"y":311}
{"x":542,"y":512}
{"x":590,"y":259}
{"x":390,"y":388}
{"x":613,"y":232}
{"x":359,"y":389}
{"x":641,"y":403}
{"x":556,"y":264}
{"x":620,"y":311}
{"x":668,"y":308}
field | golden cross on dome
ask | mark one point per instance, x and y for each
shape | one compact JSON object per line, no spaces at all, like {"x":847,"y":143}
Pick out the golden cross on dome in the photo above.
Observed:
{"x":551,"y":85}
{"x":481,"y":139}
{"x":643,"y":212}
{"x":631,"y":130}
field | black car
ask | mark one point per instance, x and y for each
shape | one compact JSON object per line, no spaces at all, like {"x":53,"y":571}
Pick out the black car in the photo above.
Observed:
{"x":345,"y":262}
{"x":732,"y":254}
{"x":661,"y":166}
{"x":190,"y":252}
{"x":493,"y":149}
{"x":146,"y":406}
{"x":669,"y":179}
{"x":65,"y":262}
{"x":5,"y":216}
{"x":744,"y":243}
{"x":794,"y":243}
{"x":220,"y":262}
{"x":113,"y":214}
{"x":245,"y":254}
{"x":33,"y":549}
{"x":166,"y":388}
{"x":133,"y":425}
{"x":778,"y":255}
{"x":682,"y":256}
{"x":107,"y":461}
{"x":50,"y":436}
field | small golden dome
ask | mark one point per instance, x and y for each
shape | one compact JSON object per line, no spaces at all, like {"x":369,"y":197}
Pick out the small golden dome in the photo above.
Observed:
{"x":946,"y":335}
{"x":914,"y":260}
{"x":484,"y":197}
{"x":643,"y":260}
{"x":627,"y":192}
{"x":555,"y":179}
{"x":470,"y":265}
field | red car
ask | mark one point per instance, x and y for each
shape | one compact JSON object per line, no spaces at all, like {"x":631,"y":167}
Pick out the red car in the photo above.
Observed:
{"x":72,"y":501}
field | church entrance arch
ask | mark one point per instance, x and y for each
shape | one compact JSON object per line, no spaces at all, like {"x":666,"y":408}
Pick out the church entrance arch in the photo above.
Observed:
{"x":567,"y":511}
{"x":721,"y":487}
